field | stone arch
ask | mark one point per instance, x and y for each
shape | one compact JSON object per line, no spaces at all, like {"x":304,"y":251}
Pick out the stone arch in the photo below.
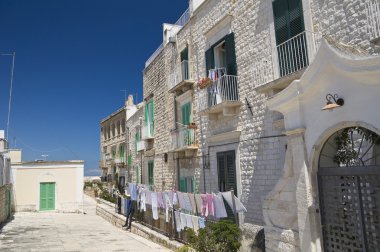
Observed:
{"x":317,"y":162}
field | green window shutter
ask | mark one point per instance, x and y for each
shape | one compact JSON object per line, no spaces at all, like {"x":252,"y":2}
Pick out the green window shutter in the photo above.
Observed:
{"x":230,"y":54}
{"x":182,"y":185}
{"x":186,"y":113}
{"x":150,"y":172}
{"x":43,"y":199}
{"x":288,"y":19}
{"x":51,"y":196}
{"x":136,"y":141}
{"x":129,"y":160}
{"x":193,"y":184}
{"x":210,"y":61}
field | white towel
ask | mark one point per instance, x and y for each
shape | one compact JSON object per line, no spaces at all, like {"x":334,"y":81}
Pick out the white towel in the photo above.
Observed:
{"x":178,"y":221}
{"x":183,"y":220}
{"x":239,"y":206}
{"x":153,"y":196}
{"x":220,"y":209}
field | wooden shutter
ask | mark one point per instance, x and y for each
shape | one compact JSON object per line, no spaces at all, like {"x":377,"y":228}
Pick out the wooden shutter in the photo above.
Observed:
{"x":150,"y":172}
{"x":51,"y":196}
{"x":230,"y":54}
{"x":221,"y":173}
{"x":43,"y":200}
{"x":210,"y":61}
{"x":186,"y":113}
{"x":288,"y":19}
{"x":231,"y":172}
{"x":183,"y":185}
{"x":136,"y":141}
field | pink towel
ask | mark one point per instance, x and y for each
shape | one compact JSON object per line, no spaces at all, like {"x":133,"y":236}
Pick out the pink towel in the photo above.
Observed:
{"x":210,"y":203}
{"x":204,"y":205}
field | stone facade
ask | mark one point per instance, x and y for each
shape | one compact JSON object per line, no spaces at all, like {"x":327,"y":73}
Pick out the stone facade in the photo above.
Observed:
{"x":113,"y":139}
{"x":6,"y":202}
{"x":245,"y":126}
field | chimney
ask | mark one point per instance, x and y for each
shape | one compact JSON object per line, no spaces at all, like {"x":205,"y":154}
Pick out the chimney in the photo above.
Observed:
{"x":129,"y":102}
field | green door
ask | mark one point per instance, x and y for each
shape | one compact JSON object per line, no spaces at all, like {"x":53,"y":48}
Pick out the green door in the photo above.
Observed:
{"x":47,"y":196}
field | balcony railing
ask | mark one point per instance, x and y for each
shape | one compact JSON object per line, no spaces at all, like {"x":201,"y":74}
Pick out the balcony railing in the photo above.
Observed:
{"x":184,"y":18}
{"x":140,"y":145}
{"x":223,"y":89}
{"x":287,"y":58}
{"x":154,"y":55}
{"x":183,"y":138}
{"x":147,"y":131}
{"x":373,"y":19}
{"x":181,"y":73}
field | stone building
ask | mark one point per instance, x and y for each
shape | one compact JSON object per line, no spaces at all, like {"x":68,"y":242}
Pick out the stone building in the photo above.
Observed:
{"x":113,"y":141}
{"x":256,"y":124}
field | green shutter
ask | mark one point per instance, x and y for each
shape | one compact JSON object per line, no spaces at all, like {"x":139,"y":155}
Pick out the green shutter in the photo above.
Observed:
{"x":129,"y":160}
{"x":186,"y":113}
{"x":47,"y":196}
{"x":288,"y":19}
{"x":230,"y":54}
{"x":182,"y":185}
{"x":136,"y":141}
{"x":150,"y":172}
{"x":210,"y":61}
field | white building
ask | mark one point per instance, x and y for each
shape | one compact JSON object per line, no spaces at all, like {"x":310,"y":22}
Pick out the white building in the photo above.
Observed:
{"x":48,"y":185}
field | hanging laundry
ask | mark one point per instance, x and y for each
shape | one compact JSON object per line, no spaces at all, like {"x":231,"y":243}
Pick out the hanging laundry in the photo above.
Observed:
{"x":133,"y":191}
{"x":204,"y":205}
{"x":239,"y":206}
{"x":181,"y":200}
{"x":167,"y":206}
{"x":189,"y":221}
{"x":202,"y":223}
{"x":177,"y":221}
{"x":220,"y":209}
{"x":170,"y":194}
{"x":148,"y":197}
{"x":186,"y":201}
{"x":210,"y":204}
{"x":143,"y":200}
{"x":183,"y":220}
{"x":175,"y":199}
{"x":122,"y":206}
{"x":153,"y":196}
{"x":198,"y":202}
{"x":195,"y":223}
{"x":160,"y":200}
{"x":193,"y":204}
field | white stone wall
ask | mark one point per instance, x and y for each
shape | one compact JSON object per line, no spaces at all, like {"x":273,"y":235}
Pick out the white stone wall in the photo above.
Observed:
{"x":134,"y":124}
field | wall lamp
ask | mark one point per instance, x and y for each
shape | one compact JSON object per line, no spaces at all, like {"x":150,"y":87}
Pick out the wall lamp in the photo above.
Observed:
{"x":333,"y":101}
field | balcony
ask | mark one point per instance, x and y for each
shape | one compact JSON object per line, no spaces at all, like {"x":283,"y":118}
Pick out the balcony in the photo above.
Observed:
{"x":221,"y":96}
{"x":184,"y":139}
{"x":286,"y":63}
{"x":140,"y":146}
{"x":373,"y":20}
{"x":181,"y":80}
{"x":148,"y":131}
{"x":119,"y":161}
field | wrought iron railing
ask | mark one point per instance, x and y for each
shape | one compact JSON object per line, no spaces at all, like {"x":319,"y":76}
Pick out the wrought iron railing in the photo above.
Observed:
{"x":373,"y":18}
{"x":183,"y":137}
{"x":180,"y":73}
{"x":287,"y":58}
{"x":224,"y":89}
{"x":148,"y":130}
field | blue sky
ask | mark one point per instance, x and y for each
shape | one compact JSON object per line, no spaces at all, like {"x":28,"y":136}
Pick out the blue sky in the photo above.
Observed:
{"x":72,"y":59}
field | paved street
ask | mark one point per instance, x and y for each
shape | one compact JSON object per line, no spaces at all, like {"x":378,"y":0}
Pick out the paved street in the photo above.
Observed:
{"x":69,"y":232}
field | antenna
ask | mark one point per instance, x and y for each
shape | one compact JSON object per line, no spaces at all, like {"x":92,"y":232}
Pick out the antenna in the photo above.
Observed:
{"x":11,"y":86}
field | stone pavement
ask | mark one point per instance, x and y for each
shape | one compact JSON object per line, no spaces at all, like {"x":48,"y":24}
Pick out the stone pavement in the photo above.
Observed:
{"x":69,"y":232}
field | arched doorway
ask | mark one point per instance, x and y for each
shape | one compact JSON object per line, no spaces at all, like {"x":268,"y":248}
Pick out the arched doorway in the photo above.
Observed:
{"x":349,"y":190}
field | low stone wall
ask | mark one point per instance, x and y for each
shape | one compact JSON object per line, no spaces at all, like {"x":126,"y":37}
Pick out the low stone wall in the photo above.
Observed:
{"x":106,"y":210}
{"x":4,"y":213}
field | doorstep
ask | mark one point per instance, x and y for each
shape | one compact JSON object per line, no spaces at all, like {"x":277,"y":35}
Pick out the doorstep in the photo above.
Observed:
{"x":106,"y":210}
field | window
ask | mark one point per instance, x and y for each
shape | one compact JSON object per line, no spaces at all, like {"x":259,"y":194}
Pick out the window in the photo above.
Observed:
{"x":121,"y":153}
{"x":137,"y":139}
{"x":186,"y":114}
{"x":187,"y":184}
{"x":129,"y":160}
{"x":226,"y":171}
{"x":150,"y":172}
{"x":113,"y":152}
{"x":149,"y":116}
{"x":222,"y":55}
